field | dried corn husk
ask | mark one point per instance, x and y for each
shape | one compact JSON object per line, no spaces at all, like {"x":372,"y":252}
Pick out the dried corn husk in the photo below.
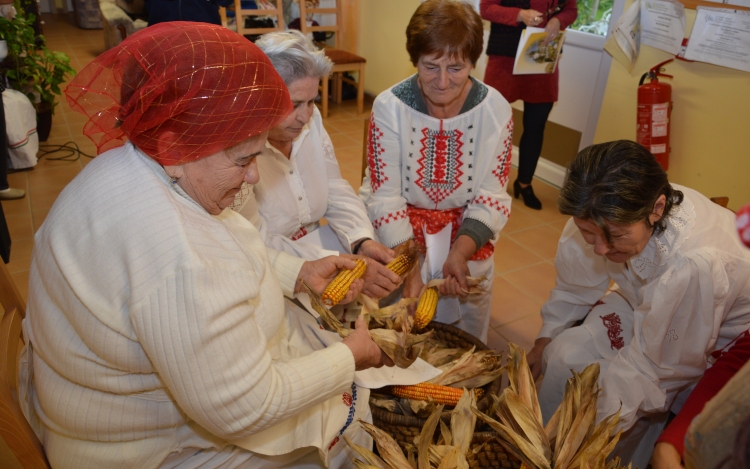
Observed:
{"x":463,"y":422}
{"x":388,"y":404}
{"x":325,"y":313}
{"x":455,"y":459}
{"x":571,"y":440}
{"x":471,"y":370}
{"x":370,"y":458}
{"x":425,"y":438}
{"x":387,"y":447}
{"x":401,"y":347}
{"x":437,"y":356}
{"x":449,"y":453}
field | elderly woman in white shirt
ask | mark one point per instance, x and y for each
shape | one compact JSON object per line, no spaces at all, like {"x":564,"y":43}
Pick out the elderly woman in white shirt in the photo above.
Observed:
{"x":682,"y":290}
{"x":157,"y":330}
{"x":301,"y":181}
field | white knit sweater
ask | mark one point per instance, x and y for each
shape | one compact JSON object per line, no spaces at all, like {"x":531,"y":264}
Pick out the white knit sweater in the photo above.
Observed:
{"x":157,"y":327}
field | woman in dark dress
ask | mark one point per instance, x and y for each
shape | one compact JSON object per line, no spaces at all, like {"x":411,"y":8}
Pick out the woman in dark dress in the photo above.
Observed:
{"x":538,"y":92}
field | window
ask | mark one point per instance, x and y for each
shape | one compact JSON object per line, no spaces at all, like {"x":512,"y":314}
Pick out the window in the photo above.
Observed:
{"x":593,"y":16}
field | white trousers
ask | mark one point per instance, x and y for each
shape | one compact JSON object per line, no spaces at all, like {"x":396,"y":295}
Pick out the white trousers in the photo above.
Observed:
{"x":596,"y":341}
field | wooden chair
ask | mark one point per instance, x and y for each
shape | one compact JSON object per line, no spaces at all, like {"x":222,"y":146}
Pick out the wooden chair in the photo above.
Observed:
{"x":269,"y":10}
{"x":343,"y":61}
{"x":14,"y":428}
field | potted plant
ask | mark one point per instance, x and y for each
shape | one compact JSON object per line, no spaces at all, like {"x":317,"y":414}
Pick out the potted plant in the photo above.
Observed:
{"x":34,"y":69}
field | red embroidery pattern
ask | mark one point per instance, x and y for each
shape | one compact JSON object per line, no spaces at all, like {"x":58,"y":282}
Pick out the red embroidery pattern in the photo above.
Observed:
{"x":435,"y":220}
{"x":440,"y":164}
{"x":492,"y":203}
{"x":385,"y":219}
{"x":613,"y":324}
{"x":333,"y":443}
{"x":502,"y":171}
{"x":374,"y":150}
{"x":347,"y":398}
{"x":300,"y":233}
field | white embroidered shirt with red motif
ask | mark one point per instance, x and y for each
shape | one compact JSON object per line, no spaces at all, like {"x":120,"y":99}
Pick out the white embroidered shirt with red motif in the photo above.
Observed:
{"x":437,"y":164}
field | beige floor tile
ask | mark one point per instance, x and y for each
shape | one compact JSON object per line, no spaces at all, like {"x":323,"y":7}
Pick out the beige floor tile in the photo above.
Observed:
{"x":19,"y":180}
{"x":349,"y":155}
{"x":522,"y":332}
{"x":558,"y":225}
{"x":43,"y":199}
{"x":56,"y":178}
{"x":342,"y":140}
{"x":38,"y":217}
{"x":59,"y":130}
{"x":520,"y":220}
{"x":347,"y":125}
{"x":20,"y":255}
{"x":541,"y":239}
{"x":510,"y":256}
{"x":358,"y":137}
{"x":19,"y":226}
{"x":509,"y":303}
{"x":495,"y":341}
{"x":16,"y":207}
{"x":536,"y":281}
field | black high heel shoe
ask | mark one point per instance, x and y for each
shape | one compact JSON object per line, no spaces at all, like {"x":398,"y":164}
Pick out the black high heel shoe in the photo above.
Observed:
{"x":529,"y":199}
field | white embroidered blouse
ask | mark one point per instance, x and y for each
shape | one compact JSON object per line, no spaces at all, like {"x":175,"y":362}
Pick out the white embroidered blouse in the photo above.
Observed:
{"x":295,"y":193}
{"x":436,"y":164}
{"x":690,"y":288}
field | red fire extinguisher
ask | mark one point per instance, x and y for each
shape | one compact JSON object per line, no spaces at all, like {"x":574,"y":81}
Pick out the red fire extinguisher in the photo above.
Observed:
{"x":655,"y":114}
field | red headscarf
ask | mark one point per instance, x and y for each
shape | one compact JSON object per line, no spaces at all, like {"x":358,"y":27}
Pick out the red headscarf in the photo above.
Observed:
{"x":210,"y":86}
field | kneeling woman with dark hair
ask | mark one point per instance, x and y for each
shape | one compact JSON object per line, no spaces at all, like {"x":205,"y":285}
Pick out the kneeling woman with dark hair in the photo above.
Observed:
{"x":682,"y":290}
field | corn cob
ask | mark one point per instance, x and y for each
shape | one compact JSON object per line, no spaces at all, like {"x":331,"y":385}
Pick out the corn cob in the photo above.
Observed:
{"x":400,"y":265}
{"x":426,"y":308}
{"x":337,"y":289}
{"x":440,"y":394}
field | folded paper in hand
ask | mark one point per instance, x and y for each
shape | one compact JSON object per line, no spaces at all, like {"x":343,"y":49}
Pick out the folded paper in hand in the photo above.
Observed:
{"x":533,"y":57}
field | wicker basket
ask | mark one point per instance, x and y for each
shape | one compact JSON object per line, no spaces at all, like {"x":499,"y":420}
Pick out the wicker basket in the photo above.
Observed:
{"x":404,"y":428}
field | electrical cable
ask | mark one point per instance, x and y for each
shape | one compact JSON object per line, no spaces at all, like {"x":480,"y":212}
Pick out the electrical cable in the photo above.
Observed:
{"x":70,"y":150}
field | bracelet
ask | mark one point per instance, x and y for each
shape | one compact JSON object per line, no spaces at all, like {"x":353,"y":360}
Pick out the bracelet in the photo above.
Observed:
{"x":359,"y":244}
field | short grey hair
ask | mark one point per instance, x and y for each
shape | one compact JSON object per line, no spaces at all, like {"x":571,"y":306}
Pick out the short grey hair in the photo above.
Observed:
{"x":294,"y":56}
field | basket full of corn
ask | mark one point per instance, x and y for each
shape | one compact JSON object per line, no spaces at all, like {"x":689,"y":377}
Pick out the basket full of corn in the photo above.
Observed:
{"x":468,"y":366}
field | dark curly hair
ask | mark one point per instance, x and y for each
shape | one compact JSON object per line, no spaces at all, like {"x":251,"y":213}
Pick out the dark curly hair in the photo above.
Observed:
{"x":617,"y":182}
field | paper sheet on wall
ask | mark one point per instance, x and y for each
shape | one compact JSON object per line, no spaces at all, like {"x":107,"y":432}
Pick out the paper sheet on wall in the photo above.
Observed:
{"x":663,"y":24}
{"x":743,"y":3}
{"x":438,"y":246}
{"x":721,"y":36}
{"x":625,"y":42}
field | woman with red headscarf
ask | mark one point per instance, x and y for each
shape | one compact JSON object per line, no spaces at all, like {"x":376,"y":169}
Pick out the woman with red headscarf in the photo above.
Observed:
{"x":156,"y":328}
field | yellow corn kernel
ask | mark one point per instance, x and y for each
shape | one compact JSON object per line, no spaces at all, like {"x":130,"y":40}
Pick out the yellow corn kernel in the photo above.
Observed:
{"x":436,"y":392}
{"x":339,"y":286}
{"x":400,"y":265}
{"x":426,"y":308}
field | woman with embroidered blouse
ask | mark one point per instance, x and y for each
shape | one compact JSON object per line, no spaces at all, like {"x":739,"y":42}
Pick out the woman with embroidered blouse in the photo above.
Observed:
{"x":682,"y":291}
{"x":301,"y":180}
{"x":439,"y":149}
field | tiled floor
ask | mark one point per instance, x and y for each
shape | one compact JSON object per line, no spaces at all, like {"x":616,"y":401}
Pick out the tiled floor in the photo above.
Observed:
{"x":523,"y":257}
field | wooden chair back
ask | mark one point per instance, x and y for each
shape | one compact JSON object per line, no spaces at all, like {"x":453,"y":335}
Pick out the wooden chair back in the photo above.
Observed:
{"x":310,"y":8}
{"x":265,"y":8}
{"x":14,"y":428}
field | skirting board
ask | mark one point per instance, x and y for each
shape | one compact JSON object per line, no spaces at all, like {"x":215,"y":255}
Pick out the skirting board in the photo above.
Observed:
{"x":546,"y":170}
